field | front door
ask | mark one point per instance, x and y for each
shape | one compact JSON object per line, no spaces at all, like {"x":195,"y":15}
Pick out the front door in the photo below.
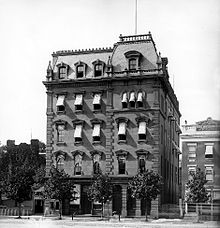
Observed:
{"x":39,"y":206}
{"x":86,"y":205}
{"x":117,"y":199}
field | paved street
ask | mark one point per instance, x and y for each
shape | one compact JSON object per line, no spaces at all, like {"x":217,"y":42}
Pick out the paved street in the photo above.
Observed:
{"x":41,"y":222}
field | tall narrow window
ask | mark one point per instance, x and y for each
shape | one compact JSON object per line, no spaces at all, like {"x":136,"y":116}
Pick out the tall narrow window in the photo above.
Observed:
{"x":78,"y":165}
{"x":209,"y":151}
{"x":191,"y":169}
{"x":78,"y":133}
{"x":132,"y":64}
{"x":132,"y":100}
{"x":60,"y":103}
{"x":142,"y":166}
{"x":98,"y":70}
{"x":124,"y":100}
{"x":97,"y":102}
{"x":78,"y":102}
{"x":60,"y":133}
{"x":96,"y":163}
{"x":209,"y":173}
{"x":192,"y":152}
{"x":96,"y":132}
{"x":140,"y":100}
{"x":121,"y":165}
{"x":122,"y":131}
{"x":62,"y":72}
{"x":142,"y":130}
{"x":60,"y":162}
{"x":80,"y":71}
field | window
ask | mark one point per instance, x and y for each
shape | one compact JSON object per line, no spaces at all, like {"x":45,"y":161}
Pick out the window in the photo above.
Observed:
{"x":209,"y":173}
{"x":124,"y":100}
{"x":142,"y":130}
{"x":121,"y":165}
{"x":78,"y":102}
{"x":96,"y":163}
{"x":96,"y":133}
{"x":97,"y":102}
{"x":122,"y":131}
{"x":132,"y":64}
{"x":78,"y":165}
{"x":209,"y":151}
{"x":192,"y":152}
{"x":191,"y":169}
{"x":132,"y":100}
{"x":60,"y":133}
{"x":133,"y":59}
{"x":98,"y":67}
{"x":140,"y":100}
{"x":78,"y":133}
{"x":62,"y":72}
{"x":80,"y":71}
{"x":142,"y":167}
{"x":60,"y":162}
{"x":98,"y":70}
{"x":60,"y":103}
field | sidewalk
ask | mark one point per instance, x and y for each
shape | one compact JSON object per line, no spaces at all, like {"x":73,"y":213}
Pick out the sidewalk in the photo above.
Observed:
{"x":114,"y":222}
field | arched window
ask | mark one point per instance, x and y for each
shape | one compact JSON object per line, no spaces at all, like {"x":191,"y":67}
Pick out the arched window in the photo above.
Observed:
{"x":78,"y":165}
{"x":121,"y":165}
{"x":142,"y":166}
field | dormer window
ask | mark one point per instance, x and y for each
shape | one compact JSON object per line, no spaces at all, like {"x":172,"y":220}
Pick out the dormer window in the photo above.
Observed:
{"x":133,"y":60}
{"x":98,"y":67}
{"x":62,"y":70}
{"x":80,"y":69}
{"x":98,"y":70}
{"x":132,"y":64}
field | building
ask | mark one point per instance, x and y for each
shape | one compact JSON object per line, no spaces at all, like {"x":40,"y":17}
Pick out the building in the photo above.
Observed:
{"x":113,"y":109}
{"x":200,"y":148}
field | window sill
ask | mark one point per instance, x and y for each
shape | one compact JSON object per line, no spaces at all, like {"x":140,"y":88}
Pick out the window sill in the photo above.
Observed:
{"x":97,"y":111}
{"x":61,"y":112}
{"x":96,"y":143}
{"x":79,"y":111}
{"x":122,"y":141}
{"x":142,"y":141}
{"x":78,"y":143}
{"x":61,"y":144}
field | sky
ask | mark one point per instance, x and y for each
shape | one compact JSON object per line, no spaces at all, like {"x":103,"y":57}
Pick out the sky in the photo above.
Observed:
{"x":185,"y":31}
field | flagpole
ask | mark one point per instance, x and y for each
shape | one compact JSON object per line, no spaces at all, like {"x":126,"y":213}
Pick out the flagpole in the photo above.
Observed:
{"x":135,"y":17}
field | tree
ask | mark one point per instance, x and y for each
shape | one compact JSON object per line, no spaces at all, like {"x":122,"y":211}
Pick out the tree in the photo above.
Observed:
{"x":100,"y":190}
{"x":145,"y":186}
{"x":195,"y":189}
{"x":20,"y":165}
{"x":58,"y":186}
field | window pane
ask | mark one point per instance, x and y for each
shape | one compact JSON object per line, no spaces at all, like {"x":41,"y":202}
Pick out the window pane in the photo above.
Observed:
{"x":62,"y":72}
{"x":121,"y":164}
{"x":132,"y":64}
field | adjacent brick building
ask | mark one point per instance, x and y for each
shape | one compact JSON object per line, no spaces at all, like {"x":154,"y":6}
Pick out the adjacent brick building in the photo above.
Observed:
{"x":113,"y":109}
{"x":200,"y":148}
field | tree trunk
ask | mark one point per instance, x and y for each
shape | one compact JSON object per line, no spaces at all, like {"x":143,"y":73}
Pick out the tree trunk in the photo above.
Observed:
{"x":60,"y":209}
{"x":197,"y":212}
{"x":19,"y":210}
{"x":102,"y":210}
{"x":146,"y":219}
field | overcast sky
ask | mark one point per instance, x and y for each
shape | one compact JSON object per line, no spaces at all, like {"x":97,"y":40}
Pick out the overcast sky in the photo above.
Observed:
{"x":185,"y":31}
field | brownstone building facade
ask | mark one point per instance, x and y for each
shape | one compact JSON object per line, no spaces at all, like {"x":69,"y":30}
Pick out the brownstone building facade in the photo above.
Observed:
{"x":200,"y":148}
{"x":113,"y":109}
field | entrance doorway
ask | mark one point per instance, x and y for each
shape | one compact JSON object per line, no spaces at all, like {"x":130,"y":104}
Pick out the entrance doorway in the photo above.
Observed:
{"x":86,"y":205}
{"x":131,"y":204}
{"x":117,"y":199}
{"x":39,"y":206}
